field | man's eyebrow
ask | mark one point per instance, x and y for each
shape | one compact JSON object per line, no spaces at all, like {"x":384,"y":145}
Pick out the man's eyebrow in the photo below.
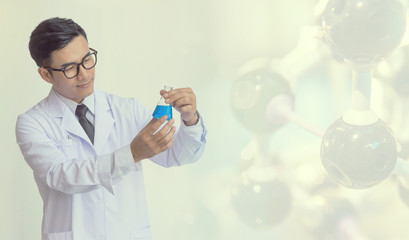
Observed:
{"x":72,"y":63}
{"x":67,"y":64}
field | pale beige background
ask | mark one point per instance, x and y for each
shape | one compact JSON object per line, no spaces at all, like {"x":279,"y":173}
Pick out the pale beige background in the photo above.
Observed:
{"x":145,"y":44}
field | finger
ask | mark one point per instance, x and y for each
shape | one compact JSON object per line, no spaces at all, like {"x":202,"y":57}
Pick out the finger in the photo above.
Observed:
{"x":162,"y":92}
{"x":181,"y":102}
{"x":166,"y":146}
{"x":147,"y":126}
{"x":188,"y":109}
{"x":162,"y":132}
{"x":176,"y":94}
{"x":169,"y":98}
{"x":179,"y":90}
{"x":168,"y":138}
{"x":178,"y":101}
{"x":166,"y":94}
{"x":154,"y":124}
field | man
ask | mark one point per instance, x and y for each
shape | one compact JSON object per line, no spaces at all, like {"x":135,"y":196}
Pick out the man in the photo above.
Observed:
{"x":85,"y":146}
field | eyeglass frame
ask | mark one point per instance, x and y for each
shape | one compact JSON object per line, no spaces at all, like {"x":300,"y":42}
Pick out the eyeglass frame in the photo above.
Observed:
{"x":94,"y":52}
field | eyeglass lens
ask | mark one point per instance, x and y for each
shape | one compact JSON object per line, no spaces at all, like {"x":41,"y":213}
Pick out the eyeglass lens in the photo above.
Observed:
{"x":88,"y":63}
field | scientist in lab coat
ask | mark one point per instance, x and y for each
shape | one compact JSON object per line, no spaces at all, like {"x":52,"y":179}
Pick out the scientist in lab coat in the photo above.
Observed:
{"x":85,"y":146}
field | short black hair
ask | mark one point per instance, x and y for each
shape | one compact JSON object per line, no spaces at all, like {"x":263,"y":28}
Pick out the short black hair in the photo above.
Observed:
{"x":50,"y":35}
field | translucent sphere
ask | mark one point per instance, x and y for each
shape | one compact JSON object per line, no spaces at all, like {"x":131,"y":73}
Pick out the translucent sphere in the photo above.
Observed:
{"x":261,"y":204}
{"x":363,"y":31}
{"x":250,"y":95}
{"x":358,"y":156}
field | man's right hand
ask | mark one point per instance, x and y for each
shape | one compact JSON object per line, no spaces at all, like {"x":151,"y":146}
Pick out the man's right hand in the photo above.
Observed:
{"x":147,"y":144}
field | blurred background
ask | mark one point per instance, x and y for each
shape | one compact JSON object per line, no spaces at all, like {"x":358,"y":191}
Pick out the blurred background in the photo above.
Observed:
{"x":266,"y":172}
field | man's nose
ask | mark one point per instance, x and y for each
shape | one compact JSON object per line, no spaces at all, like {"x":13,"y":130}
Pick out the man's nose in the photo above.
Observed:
{"x":82,"y":73}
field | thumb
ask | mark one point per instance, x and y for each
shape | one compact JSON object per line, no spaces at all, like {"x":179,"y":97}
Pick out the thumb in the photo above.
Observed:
{"x":162,"y":92}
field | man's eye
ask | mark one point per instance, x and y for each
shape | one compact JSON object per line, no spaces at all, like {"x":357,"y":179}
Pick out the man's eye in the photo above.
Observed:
{"x":87,"y":59}
{"x":69,"y":68}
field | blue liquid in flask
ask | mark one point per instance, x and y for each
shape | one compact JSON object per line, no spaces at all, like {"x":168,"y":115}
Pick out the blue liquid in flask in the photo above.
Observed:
{"x":161,"y":110}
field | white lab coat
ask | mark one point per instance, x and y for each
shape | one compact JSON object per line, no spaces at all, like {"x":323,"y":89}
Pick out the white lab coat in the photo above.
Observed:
{"x":95,"y":191}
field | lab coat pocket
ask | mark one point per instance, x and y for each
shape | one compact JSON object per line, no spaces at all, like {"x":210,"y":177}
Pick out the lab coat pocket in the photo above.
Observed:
{"x":58,"y":236}
{"x":141,"y":234}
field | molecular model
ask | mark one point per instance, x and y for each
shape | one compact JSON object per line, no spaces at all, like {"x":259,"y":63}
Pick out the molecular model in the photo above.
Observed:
{"x":359,"y":150}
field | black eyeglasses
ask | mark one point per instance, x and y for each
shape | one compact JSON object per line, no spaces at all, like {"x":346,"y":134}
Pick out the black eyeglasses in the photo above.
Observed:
{"x":72,"y":69}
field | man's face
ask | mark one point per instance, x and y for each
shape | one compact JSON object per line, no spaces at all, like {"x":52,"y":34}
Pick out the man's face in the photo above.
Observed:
{"x":76,"y":88}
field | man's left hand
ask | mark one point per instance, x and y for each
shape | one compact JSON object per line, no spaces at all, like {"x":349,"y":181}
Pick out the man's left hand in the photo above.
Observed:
{"x":184,"y":101}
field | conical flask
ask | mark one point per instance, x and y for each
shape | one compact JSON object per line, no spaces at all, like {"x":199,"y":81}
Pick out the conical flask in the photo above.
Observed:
{"x":163,"y":108}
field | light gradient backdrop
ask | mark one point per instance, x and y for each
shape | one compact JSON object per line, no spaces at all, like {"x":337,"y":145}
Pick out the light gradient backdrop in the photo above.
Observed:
{"x":145,"y":44}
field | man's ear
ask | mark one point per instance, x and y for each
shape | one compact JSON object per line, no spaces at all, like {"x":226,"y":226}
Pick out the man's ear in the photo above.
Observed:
{"x":45,"y":74}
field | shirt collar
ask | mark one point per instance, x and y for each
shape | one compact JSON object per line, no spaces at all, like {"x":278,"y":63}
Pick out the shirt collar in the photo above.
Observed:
{"x":89,"y":101}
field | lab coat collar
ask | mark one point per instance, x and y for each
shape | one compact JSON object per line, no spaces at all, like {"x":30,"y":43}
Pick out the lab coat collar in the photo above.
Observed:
{"x":56,"y":105}
{"x":59,"y":110}
{"x":72,"y":105}
{"x":104,"y":121}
